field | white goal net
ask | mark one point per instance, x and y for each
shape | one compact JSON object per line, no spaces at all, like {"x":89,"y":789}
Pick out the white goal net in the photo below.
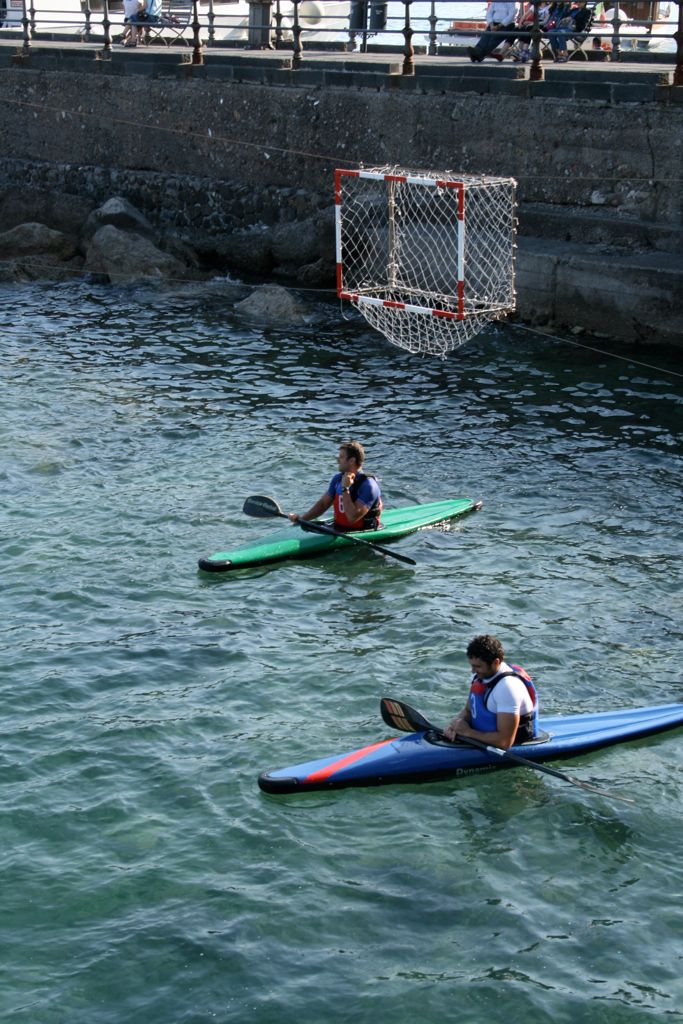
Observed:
{"x":426,"y":257}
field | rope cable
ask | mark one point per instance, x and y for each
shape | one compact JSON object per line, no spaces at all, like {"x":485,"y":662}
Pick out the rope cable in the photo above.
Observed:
{"x":593,"y":348}
{"x":345,"y":315}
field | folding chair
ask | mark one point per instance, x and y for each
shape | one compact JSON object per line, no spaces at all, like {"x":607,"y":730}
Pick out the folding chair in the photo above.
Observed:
{"x":175,"y":17}
{"x":578,"y":42}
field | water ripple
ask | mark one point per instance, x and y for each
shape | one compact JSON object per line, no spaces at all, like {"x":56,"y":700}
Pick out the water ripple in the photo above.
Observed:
{"x":146,"y":878}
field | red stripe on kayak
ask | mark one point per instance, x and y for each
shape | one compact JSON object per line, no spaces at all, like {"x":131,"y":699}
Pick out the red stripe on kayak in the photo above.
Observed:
{"x":324,"y":773}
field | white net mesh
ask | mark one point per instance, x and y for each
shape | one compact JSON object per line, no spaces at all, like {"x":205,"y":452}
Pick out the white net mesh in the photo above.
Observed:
{"x":427,"y":258}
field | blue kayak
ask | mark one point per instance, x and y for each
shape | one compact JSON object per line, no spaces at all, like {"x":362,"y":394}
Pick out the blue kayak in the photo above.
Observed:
{"x":425,"y":757}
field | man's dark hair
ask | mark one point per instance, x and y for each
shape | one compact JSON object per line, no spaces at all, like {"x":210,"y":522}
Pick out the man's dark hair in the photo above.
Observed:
{"x":486,"y":647}
{"x":354,"y":450}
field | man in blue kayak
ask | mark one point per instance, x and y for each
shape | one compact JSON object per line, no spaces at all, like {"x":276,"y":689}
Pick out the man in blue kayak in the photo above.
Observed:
{"x":502,"y":707}
{"x":354,"y":494}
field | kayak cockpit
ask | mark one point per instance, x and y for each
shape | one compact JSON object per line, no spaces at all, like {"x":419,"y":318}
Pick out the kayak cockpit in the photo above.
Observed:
{"x":437,"y":738}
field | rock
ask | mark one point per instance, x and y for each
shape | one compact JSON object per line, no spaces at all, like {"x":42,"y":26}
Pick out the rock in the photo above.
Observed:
{"x":60,"y":211}
{"x":322,"y":273}
{"x":325,"y":227}
{"x":31,"y":239}
{"x":295,"y":244}
{"x":44,"y":266}
{"x":271,"y":303}
{"x":180,"y":250}
{"x":119,"y":213}
{"x":124,"y":257}
{"x":242,"y":250}
{"x":67,"y":213}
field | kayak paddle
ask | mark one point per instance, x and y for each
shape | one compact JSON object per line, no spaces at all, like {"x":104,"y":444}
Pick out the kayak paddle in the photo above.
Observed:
{"x":402,"y":716}
{"x":263,"y":507}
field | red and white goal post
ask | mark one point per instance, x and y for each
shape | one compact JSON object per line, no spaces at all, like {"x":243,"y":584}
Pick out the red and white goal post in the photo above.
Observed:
{"x":427,"y":258}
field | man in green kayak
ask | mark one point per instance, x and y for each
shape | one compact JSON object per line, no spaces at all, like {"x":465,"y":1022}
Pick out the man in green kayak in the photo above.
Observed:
{"x":355,"y":495}
{"x":502,"y":707}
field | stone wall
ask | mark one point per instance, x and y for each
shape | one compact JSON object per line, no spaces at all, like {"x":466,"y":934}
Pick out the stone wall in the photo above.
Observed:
{"x":562,"y":152}
{"x":197,"y":208}
{"x":203,"y":156}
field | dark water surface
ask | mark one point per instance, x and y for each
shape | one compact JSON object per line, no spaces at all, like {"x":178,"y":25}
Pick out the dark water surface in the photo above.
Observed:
{"x":145,"y":878}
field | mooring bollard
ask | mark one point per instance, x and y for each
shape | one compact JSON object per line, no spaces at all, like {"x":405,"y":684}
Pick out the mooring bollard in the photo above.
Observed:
{"x":259,"y":25}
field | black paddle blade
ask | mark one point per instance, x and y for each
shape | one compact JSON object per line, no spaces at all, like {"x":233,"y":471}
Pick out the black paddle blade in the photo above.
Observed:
{"x":401,"y":716}
{"x":261,"y":506}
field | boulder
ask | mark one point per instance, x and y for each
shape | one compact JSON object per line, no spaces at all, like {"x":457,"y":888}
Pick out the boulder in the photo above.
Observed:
{"x":306,"y":249}
{"x":295,"y":244}
{"x":43,"y":266}
{"x":325,"y":224}
{"x":321,"y":274}
{"x":179,"y":249}
{"x":32,"y":239}
{"x":59,"y":210}
{"x":119,"y":213}
{"x":249,"y":250}
{"x":124,"y":257}
{"x":272,"y":304}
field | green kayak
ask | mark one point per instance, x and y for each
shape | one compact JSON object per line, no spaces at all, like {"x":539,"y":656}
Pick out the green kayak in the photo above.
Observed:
{"x":294,"y":542}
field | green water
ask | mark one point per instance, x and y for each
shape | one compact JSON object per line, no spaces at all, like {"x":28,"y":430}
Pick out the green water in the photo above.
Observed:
{"x":145,"y":878}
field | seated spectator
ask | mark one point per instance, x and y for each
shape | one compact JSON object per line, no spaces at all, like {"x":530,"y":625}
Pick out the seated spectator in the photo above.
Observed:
{"x":556,"y":12}
{"x":131,"y":10}
{"x":520,"y":49}
{"x":499,"y":18}
{"x":569,"y":23}
{"x":149,"y":15}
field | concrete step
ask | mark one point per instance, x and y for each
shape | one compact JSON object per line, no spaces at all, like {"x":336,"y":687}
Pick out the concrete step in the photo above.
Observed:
{"x":578,"y":286}
{"x":601,"y":226}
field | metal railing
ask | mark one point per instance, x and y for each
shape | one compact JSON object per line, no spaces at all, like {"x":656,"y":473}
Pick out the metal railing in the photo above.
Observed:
{"x":439,"y":28}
